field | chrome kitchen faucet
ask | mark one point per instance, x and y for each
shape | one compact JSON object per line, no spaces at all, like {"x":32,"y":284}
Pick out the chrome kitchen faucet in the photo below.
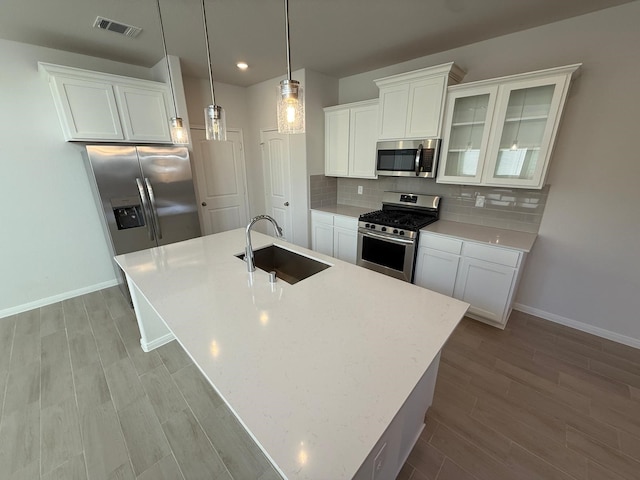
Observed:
{"x":248,"y":253}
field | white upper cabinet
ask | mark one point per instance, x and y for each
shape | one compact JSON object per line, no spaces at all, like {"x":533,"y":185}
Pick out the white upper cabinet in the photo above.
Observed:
{"x":73,"y":96}
{"x":144,"y":112}
{"x":411,"y":104}
{"x":350,"y":140}
{"x":95,"y":106}
{"x":501,"y":132}
{"x":464,"y":147}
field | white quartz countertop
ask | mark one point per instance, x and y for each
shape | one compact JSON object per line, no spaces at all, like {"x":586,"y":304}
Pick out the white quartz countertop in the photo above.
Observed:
{"x":315,"y":371}
{"x":345,"y":210}
{"x":479,"y":233}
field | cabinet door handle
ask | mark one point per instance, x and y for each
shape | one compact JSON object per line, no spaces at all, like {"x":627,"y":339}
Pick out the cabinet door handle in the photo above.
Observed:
{"x":204,"y":204}
{"x":418,"y":160}
{"x":286,"y":204}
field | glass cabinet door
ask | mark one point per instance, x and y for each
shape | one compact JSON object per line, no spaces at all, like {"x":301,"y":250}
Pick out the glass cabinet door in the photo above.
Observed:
{"x":525,"y":120}
{"x":468,"y":119}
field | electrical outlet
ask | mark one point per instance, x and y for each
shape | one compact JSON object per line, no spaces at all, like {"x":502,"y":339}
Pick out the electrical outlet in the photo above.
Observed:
{"x":378,"y":462}
{"x":359,"y":189}
{"x":480,"y":201}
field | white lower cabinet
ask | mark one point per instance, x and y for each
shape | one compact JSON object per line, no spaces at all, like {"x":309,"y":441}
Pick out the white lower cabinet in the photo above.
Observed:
{"x":437,"y":263}
{"x":483,"y":275}
{"x":322,"y":232}
{"x":487,"y":286}
{"x":334,"y":235}
{"x":345,"y":238}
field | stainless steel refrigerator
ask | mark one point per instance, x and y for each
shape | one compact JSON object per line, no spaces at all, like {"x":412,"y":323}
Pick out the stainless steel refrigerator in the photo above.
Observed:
{"x":146,"y":196}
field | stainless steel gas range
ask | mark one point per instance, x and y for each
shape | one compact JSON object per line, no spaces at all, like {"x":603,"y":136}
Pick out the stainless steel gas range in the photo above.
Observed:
{"x":388,"y":238}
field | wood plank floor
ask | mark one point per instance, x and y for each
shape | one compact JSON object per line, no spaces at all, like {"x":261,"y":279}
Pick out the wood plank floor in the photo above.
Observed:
{"x":80,"y":400}
{"x":535,"y":401}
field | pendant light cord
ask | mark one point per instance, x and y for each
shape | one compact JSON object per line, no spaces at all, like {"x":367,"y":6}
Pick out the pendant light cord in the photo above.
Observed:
{"x":286,"y":27}
{"x":206,"y":38}
{"x":524,"y":99}
{"x":164,"y":45}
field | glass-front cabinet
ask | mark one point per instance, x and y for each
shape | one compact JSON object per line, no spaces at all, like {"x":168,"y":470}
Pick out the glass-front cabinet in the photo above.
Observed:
{"x":468,"y":118}
{"x":501,"y":131}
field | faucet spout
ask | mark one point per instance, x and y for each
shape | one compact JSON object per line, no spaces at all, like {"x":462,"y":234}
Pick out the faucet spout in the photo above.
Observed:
{"x":248,"y":254}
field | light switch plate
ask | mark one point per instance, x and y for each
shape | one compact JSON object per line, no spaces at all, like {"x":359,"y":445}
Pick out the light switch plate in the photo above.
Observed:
{"x":359,"y":189}
{"x":480,"y":201}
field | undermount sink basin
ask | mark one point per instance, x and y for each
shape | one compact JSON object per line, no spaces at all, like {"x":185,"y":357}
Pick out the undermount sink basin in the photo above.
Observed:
{"x":289,"y":266}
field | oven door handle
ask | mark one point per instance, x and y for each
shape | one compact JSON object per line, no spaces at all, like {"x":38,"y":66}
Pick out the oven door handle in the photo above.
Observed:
{"x":418,"y":160}
{"x":387,"y":238}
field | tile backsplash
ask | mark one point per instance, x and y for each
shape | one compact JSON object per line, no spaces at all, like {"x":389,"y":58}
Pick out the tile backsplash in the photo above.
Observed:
{"x":323,"y":191}
{"x":510,"y":208}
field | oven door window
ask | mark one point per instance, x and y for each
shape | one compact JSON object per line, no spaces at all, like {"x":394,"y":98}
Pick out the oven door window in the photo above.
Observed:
{"x":397,"y":160}
{"x":387,"y":254}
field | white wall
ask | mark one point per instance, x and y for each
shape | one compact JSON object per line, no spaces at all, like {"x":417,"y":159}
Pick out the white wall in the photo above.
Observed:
{"x":51,"y":242}
{"x":306,"y":150}
{"x":585,"y":267}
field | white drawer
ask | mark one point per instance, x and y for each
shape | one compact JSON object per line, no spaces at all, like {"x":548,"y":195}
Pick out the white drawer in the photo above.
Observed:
{"x":501,"y":256}
{"x":322,"y":217}
{"x":443,"y":244}
{"x":345,"y":222}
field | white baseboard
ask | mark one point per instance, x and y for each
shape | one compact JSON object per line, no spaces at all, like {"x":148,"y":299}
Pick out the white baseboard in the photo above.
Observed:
{"x":56,"y":298}
{"x":158,"y":342}
{"x":597,"y":331}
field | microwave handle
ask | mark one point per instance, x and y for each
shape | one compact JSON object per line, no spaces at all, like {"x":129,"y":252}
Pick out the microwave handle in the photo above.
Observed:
{"x":418,"y":159}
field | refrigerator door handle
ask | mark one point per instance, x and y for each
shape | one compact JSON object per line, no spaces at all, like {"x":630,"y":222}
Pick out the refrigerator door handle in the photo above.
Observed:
{"x":145,"y":208}
{"x":154,"y":208}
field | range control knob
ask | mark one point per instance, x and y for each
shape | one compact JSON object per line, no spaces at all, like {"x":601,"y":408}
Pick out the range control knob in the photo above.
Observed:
{"x":366,"y":225}
{"x":373,"y":227}
{"x":384,"y":229}
{"x":395,"y":230}
{"x":401,"y":232}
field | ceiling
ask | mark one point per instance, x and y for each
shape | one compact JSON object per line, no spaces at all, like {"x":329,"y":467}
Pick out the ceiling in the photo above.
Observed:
{"x":334,"y":37}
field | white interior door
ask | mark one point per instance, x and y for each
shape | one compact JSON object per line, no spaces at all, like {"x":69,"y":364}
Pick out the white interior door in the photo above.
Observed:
{"x":275,"y":159}
{"x":221,"y":181}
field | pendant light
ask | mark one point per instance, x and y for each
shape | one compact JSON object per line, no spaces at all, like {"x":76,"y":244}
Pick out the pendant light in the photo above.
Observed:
{"x":214,"y":115}
{"x":179,"y":135}
{"x":290,"y":95}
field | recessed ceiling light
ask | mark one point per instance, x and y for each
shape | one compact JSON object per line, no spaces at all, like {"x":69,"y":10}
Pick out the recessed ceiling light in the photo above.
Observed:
{"x":242,"y":65}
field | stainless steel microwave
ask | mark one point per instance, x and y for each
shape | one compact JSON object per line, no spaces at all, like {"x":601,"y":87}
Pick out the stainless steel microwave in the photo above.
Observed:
{"x":408,"y":158}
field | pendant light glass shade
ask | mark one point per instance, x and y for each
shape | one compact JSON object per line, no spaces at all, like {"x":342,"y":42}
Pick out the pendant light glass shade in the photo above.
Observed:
{"x":215,"y":122}
{"x":214,"y":116}
{"x":179,"y":134}
{"x":290,"y":100}
{"x":290,"y":107}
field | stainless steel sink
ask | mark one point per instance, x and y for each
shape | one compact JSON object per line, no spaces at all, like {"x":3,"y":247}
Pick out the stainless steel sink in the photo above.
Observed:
{"x":289,"y":266}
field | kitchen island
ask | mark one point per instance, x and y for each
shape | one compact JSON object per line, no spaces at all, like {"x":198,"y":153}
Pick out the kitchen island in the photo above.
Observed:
{"x":330,"y":376}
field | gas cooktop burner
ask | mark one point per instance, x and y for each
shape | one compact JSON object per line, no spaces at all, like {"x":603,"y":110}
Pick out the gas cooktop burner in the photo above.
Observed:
{"x":402,"y":214}
{"x":398,"y":219}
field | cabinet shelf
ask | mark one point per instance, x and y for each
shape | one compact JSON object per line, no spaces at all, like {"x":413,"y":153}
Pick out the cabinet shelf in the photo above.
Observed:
{"x":532,"y":118}
{"x":508,"y":149}
{"x":467,"y":124}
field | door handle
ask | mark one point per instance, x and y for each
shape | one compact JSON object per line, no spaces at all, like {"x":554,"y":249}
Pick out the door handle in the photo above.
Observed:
{"x":145,"y":208}
{"x":286,"y":204}
{"x":204,"y":204}
{"x":418,"y":160}
{"x":154,"y":208}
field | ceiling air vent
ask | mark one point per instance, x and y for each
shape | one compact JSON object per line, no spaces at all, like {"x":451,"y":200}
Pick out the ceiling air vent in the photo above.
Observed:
{"x":118,"y":27}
